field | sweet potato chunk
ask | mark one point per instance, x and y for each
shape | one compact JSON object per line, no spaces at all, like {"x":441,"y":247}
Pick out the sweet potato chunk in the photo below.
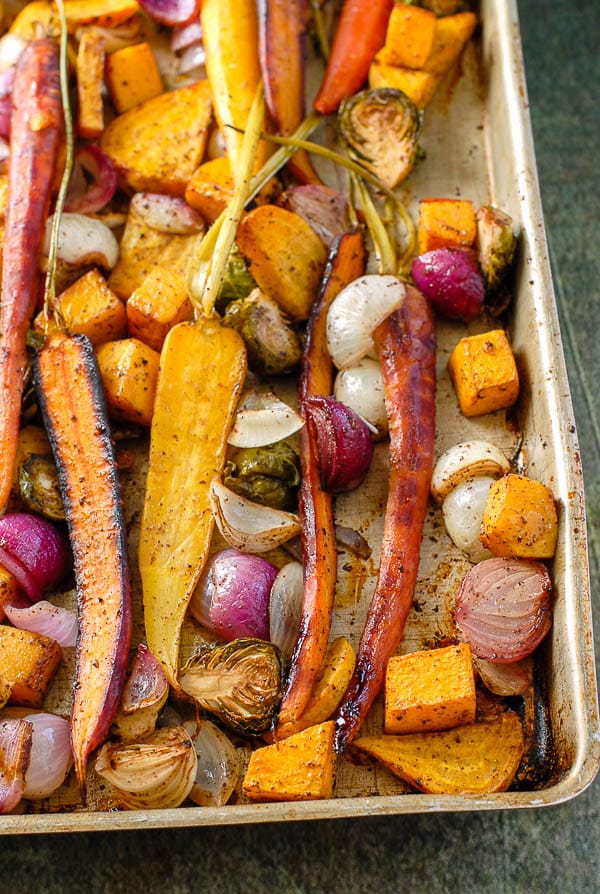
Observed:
{"x":157,"y":145}
{"x":476,"y":759}
{"x":484,"y":373}
{"x":91,"y":308}
{"x":29,"y":662}
{"x":451,"y":35}
{"x":301,"y":768}
{"x":284,"y":255}
{"x":8,"y":589}
{"x":211,"y":188}
{"x":129,"y":371}
{"x":410,"y":35}
{"x":132,"y":76}
{"x":430,"y":690}
{"x":446,"y":223}
{"x":418,"y":85}
{"x":157,"y":305}
{"x":520,"y":519}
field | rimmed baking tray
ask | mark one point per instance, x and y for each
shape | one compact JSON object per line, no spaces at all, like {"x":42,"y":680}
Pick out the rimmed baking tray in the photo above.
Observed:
{"x":477,"y":138}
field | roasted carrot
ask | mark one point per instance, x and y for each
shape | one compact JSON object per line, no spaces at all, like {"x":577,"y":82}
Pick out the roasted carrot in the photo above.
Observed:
{"x":360,"y":34}
{"x":406,"y":346}
{"x":281,"y":35}
{"x":36,"y":126}
{"x":72,"y":402}
{"x":346,"y":262}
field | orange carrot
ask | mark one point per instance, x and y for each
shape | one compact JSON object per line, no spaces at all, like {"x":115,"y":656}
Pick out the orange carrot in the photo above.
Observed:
{"x":346,"y":262}
{"x":360,"y":34}
{"x":36,"y":127}
{"x":406,"y":346}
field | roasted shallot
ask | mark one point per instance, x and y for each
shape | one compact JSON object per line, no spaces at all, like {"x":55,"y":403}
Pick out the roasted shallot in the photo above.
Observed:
{"x":35,"y":551}
{"x":343,"y":442}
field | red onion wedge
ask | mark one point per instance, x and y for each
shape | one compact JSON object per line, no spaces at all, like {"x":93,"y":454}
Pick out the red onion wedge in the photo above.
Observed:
{"x":504,"y":608}
{"x":169,"y":214}
{"x":171,"y":12}
{"x":34,"y":551}
{"x":323,"y":208}
{"x":51,"y":755}
{"x":232,"y":596}
{"x":146,"y":683}
{"x":5,"y":108}
{"x":93,"y":182}
{"x":452,"y":280}
{"x":58,"y":623}
{"x":15,"y":751}
{"x":343,"y":440}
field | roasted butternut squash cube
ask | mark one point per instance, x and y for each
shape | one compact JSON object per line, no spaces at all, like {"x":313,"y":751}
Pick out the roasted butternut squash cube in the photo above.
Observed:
{"x":157,"y":305}
{"x":105,"y":13}
{"x":446,"y":223}
{"x":129,"y":371}
{"x":29,"y":662}
{"x":409,"y":37}
{"x":520,"y":519}
{"x":132,"y":76}
{"x":284,"y":255}
{"x":39,"y":15}
{"x":5,"y":691}
{"x":451,"y":35}
{"x":156,"y":146}
{"x":300,"y":768}
{"x":9,"y":589}
{"x":211,"y":188}
{"x":90,"y":80}
{"x":418,"y":85}
{"x":89,"y":307}
{"x":484,"y":373}
{"x":142,"y":249}
{"x":430,"y":690}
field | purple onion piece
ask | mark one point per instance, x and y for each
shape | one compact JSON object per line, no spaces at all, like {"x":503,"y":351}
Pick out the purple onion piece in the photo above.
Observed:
{"x":171,"y":12}
{"x":35,"y":551}
{"x":93,"y":181}
{"x":452,"y":280}
{"x":343,"y":442}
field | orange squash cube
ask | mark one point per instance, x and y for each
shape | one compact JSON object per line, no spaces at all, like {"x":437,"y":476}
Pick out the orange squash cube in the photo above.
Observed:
{"x":132,"y":76}
{"x":417,"y":84}
{"x":211,"y":188}
{"x":446,"y":223}
{"x":410,"y":35}
{"x":129,"y":371}
{"x":89,"y":307}
{"x":520,"y":519}
{"x":300,"y":768}
{"x":105,"y":13}
{"x":90,"y":79}
{"x":157,"y":305}
{"x":430,"y":690}
{"x":484,"y":373}
{"x":451,"y":35}
{"x":9,"y":588}
{"x":29,"y":662}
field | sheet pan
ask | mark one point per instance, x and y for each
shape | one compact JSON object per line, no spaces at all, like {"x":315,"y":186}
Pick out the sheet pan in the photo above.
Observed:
{"x":477,"y":137}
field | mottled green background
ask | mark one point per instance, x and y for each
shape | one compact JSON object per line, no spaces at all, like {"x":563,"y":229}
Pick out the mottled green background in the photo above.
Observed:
{"x":555,"y":849}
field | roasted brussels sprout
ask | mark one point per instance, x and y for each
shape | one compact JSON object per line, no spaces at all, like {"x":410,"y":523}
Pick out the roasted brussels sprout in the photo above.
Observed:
{"x":497,"y":244}
{"x":237,"y":282}
{"x":240,"y":682}
{"x":267,"y":475}
{"x":38,"y":484}
{"x":274,"y":347}
{"x":381,"y":128}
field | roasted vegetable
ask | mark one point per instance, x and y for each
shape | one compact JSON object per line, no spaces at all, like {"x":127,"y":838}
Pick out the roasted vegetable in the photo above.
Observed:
{"x":360,"y":34}
{"x":346,"y":262}
{"x":520,"y":519}
{"x":202,"y":371}
{"x":483,"y":758}
{"x":406,"y":346}
{"x":274,"y":347}
{"x":39,"y":486}
{"x":239,"y":682}
{"x":497,"y":244}
{"x":484,"y":373}
{"x":72,"y":403}
{"x":381,"y":128}
{"x":30,"y":661}
{"x":36,"y":125}
{"x":132,"y":76}
{"x":237,"y":283}
{"x":268,"y":475}
{"x":446,"y":223}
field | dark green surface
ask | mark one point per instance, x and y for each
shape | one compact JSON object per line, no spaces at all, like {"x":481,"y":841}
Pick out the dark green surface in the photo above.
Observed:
{"x":555,"y":849}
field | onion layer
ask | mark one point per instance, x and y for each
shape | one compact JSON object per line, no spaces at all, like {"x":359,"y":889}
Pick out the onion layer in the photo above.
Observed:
{"x":93,"y":182}
{"x":34,"y":551}
{"x":84,"y":240}
{"x":249,"y":526}
{"x":58,"y":623}
{"x":504,"y":608}
{"x":15,"y":750}
{"x":463,"y":514}
{"x":285,"y":607}
{"x":51,"y":755}
{"x":169,"y":214}
{"x":344,"y":443}
{"x":218,"y":765}
{"x":361,"y":388}
{"x":232,"y":595}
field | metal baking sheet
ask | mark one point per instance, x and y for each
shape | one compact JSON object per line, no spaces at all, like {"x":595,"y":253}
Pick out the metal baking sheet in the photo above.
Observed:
{"x":478,"y":144}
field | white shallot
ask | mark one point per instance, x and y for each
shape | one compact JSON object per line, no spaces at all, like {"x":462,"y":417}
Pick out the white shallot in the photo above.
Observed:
{"x":83,"y":240}
{"x":249,"y":526}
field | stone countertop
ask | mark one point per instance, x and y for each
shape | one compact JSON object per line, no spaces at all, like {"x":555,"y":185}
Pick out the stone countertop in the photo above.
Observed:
{"x":554,"y":849}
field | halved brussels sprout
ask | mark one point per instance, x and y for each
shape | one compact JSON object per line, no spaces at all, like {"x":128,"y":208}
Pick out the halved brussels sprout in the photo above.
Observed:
{"x":497,"y":244}
{"x":274,"y":347}
{"x":237,"y":282}
{"x":381,"y":128}
{"x":267,"y":475}
{"x":38,"y":484}
{"x":240,"y":682}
